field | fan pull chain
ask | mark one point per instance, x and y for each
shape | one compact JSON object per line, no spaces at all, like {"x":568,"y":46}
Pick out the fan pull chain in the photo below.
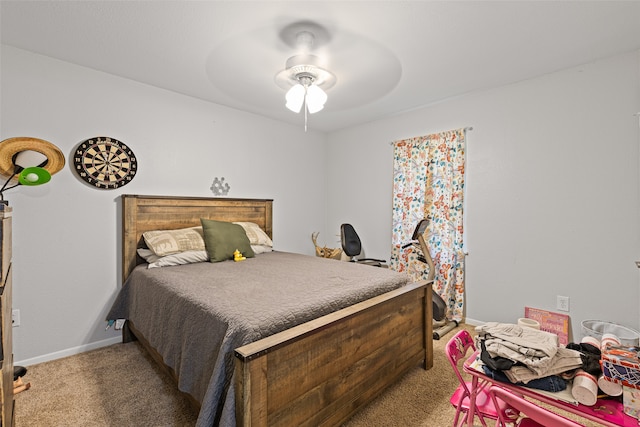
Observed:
{"x":305,"y":113}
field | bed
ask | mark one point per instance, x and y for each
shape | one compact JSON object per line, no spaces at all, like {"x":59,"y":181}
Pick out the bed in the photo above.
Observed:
{"x":319,"y":371}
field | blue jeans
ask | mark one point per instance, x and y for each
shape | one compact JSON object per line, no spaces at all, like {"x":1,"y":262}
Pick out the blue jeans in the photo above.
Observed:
{"x":551,"y":383}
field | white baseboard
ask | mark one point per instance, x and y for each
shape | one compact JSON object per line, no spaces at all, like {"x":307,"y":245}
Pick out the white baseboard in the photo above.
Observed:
{"x":68,"y":352}
{"x":473,"y":322}
{"x":115,"y":340}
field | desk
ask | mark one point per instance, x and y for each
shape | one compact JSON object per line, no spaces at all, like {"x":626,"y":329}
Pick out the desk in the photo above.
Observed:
{"x":605,"y":412}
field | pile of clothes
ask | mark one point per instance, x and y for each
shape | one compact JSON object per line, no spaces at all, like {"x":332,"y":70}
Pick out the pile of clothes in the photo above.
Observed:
{"x":531,"y":357}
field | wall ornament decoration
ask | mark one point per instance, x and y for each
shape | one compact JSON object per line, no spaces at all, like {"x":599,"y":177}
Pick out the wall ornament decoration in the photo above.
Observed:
{"x":105,"y":162}
{"x":219,"y":187}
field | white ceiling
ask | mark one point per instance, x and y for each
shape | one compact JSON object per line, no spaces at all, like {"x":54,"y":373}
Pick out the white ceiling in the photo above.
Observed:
{"x":388,"y":56}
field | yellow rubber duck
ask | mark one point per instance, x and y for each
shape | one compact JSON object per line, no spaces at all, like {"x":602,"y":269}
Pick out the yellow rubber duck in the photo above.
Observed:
{"x":237,"y":256}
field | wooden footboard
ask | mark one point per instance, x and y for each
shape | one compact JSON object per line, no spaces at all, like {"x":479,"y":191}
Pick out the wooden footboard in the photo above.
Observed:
{"x":323,"y":371}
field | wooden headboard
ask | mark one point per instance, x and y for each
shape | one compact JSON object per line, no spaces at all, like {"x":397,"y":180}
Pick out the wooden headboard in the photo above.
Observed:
{"x":145,"y":213}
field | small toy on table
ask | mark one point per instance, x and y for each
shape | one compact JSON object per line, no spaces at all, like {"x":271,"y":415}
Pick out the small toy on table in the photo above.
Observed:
{"x":621,"y":364}
{"x":237,"y":256}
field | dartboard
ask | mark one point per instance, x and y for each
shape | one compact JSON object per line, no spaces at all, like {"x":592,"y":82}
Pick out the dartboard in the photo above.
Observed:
{"x":105,"y":162}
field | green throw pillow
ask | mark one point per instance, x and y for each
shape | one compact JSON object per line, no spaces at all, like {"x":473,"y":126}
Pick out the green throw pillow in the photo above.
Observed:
{"x":222,"y":239}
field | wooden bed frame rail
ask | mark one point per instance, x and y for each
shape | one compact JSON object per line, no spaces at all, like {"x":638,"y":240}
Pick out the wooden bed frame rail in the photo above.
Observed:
{"x":321,"y":372}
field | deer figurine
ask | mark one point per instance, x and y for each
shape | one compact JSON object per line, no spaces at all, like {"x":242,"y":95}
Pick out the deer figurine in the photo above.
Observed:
{"x":323,"y":251}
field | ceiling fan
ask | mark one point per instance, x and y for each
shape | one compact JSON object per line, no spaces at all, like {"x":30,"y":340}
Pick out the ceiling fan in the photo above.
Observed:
{"x":305,"y":78}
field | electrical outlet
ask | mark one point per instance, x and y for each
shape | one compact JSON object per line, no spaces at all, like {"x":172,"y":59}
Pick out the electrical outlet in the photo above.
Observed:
{"x":562,"y":303}
{"x":15,"y":318}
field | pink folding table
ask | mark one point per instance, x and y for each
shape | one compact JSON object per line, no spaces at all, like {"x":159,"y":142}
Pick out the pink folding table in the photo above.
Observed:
{"x":606,"y":411}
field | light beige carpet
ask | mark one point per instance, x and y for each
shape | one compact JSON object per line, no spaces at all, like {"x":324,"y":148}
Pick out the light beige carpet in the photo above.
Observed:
{"x":120,"y":386}
{"x":114,"y":386}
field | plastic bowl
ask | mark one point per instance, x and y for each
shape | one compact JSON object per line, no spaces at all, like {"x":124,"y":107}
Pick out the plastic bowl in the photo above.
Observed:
{"x":596,"y":328}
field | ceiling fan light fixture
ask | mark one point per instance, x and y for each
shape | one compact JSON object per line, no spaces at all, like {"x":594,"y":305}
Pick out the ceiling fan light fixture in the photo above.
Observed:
{"x":295,"y":98}
{"x":316,"y":98}
{"x":305,"y":79}
{"x":305,"y":84}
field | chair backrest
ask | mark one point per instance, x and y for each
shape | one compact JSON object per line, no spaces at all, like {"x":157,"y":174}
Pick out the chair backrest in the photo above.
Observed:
{"x":351,"y":244}
{"x":542,"y":417}
{"x":456,"y":349}
{"x":459,"y":345}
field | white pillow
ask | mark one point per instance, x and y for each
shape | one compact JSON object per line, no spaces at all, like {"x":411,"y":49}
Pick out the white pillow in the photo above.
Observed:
{"x":260,"y":249}
{"x":255,"y":234}
{"x":167,"y":242}
{"x":186,"y":257}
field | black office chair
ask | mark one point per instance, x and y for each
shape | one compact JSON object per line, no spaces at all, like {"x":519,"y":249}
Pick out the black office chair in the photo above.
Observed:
{"x":352,"y":247}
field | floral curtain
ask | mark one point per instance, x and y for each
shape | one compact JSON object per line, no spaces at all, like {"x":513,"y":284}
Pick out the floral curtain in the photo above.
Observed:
{"x":428,"y":182}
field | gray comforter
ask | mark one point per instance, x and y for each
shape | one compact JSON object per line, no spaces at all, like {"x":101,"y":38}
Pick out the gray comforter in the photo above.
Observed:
{"x":195,"y":315}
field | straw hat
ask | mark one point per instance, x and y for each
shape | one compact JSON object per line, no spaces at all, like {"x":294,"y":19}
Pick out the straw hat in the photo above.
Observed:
{"x":12,"y":146}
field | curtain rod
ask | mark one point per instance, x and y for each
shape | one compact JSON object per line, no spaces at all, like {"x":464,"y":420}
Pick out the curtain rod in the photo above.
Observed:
{"x":468,"y":128}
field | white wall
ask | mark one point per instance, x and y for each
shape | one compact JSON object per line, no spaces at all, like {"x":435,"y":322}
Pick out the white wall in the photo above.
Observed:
{"x":66,"y":235}
{"x":553,"y":190}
